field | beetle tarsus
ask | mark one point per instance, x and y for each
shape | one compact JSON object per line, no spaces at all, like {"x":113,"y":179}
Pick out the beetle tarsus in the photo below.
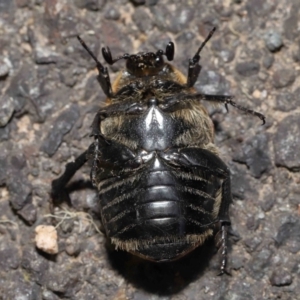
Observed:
{"x":224,"y":250}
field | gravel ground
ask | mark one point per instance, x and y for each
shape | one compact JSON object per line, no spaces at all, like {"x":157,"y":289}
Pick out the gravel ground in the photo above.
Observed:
{"x":49,"y":95}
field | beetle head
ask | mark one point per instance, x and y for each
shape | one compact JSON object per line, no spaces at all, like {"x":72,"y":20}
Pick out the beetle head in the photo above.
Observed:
{"x":144,"y":63}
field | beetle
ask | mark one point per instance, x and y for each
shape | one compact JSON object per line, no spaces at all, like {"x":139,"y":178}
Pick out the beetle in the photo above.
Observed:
{"x":163,"y":189}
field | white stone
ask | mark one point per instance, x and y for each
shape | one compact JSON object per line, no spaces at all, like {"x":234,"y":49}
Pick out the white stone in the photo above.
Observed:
{"x":46,"y":239}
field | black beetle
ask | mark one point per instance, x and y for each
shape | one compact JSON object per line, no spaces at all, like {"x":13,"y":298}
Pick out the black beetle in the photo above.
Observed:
{"x":162,"y":187}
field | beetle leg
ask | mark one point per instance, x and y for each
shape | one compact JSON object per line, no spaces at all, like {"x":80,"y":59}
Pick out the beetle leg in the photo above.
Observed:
{"x":181,"y":101}
{"x":59,"y":184}
{"x":193,"y":71}
{"x":103,"y":76}
{"x":228,"y":100}
{"x":96,"y":131}
{"x":223,"y":247}
{"x":104,"y":81}
{"x":71,"y":169}
{"x":95,"y":162}
{"x":194,"y":66}
{"x":224,"y":221}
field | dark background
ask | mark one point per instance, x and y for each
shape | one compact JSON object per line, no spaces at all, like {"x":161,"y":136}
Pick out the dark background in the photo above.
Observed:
{"x":49,"y":95}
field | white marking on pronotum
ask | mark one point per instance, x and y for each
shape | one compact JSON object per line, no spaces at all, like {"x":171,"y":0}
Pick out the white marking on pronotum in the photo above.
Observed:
{"x":154,"y":116}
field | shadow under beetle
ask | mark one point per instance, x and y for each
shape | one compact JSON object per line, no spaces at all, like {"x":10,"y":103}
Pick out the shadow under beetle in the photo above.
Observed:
{"x":163,"y":189}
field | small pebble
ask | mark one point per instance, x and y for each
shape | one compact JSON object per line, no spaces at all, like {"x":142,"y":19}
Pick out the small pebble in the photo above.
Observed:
{"x":6,"y":109}
{"x":247,"y":68}
{"x":4,"y":69}
{"x":138,"y":2}
{"x":281,"y":278}
{"x":296,"y":52}
{"x":93,"y":5}
{"x":112,"y":13}
{"x":46,"y":239}
{"x":268,"y":61}
{"x":72,"y":245}
{"x":286,"y":142}
{"x":273,"y":40}
{"x":256,"y":94}
{"x":283,"y":78}
{"x":28,"y":213}
{"x":62,"y":125}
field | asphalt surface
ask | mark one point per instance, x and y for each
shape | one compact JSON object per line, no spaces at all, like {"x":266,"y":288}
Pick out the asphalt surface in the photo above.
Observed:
{"x":49,"y":96}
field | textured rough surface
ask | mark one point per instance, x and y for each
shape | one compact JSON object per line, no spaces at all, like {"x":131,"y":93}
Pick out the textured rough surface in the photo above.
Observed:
{"x":247,"y":68}
{"x":283,"y":78}
{"x":49,"y":95}
{"x":286,"y":142}
{"x":6,"y":109}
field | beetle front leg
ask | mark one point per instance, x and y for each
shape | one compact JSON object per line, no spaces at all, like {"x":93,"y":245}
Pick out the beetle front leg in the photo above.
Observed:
{"x":193,"y":71}
{"x":194,"y":66}
{"x":103,"y":76}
